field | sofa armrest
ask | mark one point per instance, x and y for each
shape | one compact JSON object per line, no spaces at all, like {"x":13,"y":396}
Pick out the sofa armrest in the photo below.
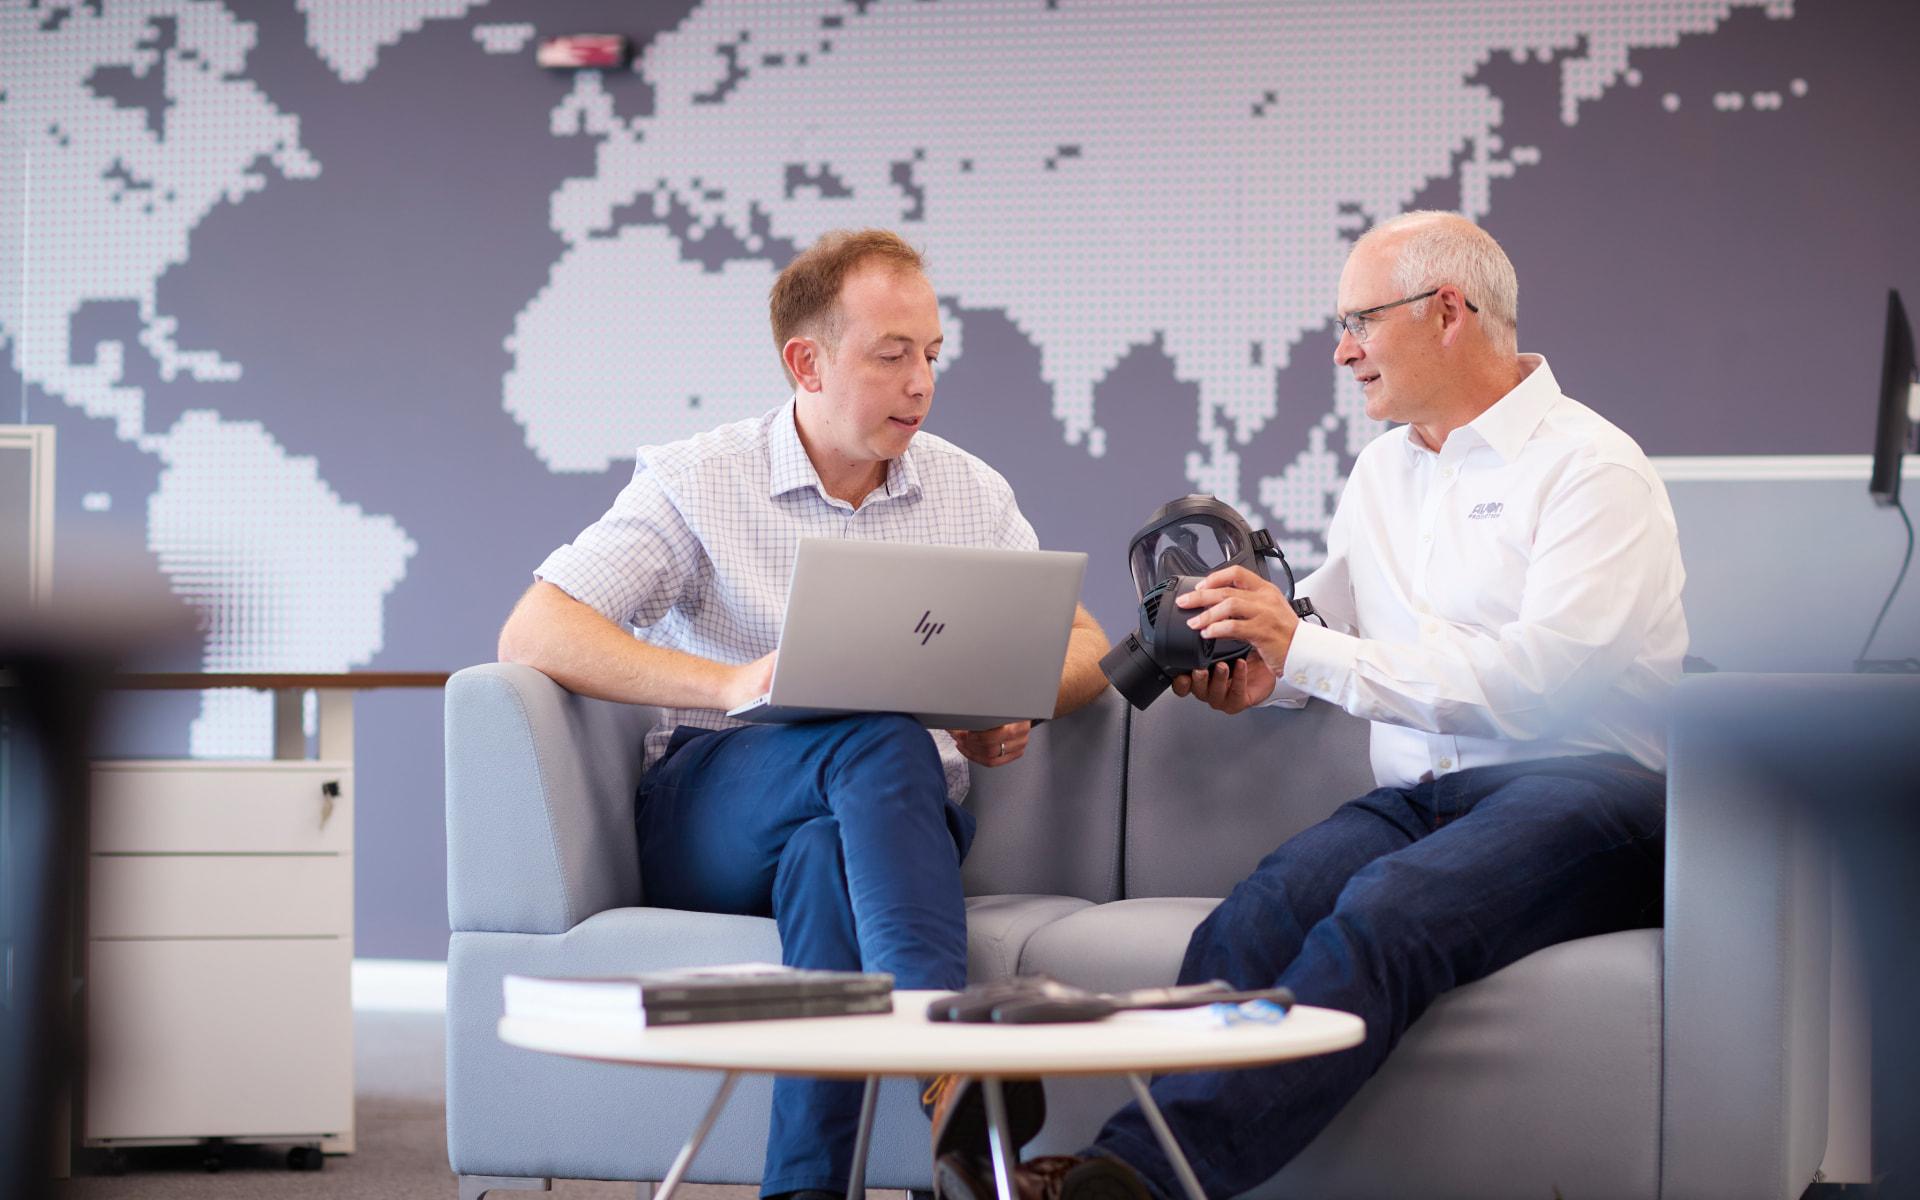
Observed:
{"x":1747,"y":939}
{"x":539,"y":801}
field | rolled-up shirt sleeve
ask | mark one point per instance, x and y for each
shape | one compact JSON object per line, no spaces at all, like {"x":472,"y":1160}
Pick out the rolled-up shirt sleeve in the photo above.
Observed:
{"x":635,"y":563}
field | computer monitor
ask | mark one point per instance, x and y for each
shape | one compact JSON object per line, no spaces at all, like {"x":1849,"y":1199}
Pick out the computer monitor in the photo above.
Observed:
{"x":26,"y":515}
{"x":1899,"y":406}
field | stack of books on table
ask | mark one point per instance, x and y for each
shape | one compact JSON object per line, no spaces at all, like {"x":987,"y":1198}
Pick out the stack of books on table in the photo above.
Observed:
{"x":699,"y":995}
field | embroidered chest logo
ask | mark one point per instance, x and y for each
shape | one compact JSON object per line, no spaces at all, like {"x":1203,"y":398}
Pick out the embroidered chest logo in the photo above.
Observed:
{"x":1491,"y":508}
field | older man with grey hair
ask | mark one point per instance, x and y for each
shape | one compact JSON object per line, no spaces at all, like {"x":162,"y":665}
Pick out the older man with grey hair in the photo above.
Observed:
{"x":1502,"y":601}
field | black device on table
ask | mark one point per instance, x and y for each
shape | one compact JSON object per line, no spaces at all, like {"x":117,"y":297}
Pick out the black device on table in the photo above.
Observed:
{"x":1043,"y":1000}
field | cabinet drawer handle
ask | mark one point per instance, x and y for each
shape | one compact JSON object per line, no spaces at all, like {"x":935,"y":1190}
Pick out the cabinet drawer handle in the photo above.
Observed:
{"x":329,"y":792}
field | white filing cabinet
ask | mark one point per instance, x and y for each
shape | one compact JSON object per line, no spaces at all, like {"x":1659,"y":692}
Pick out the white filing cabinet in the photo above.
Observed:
{"x":220,"y":951}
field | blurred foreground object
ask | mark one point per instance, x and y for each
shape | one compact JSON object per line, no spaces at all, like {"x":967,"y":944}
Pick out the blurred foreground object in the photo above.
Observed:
{"x":54,"y":663}
{"x":1841,"y":752}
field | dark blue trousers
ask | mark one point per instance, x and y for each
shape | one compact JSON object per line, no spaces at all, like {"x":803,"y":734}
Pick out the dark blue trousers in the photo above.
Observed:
{"x":840,"y":831}
{"x":1392,"y":900}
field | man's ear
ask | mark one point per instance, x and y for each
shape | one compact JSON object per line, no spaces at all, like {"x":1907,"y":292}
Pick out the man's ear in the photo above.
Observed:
{"x":803,"y":358}
{"x":1453,"y":313}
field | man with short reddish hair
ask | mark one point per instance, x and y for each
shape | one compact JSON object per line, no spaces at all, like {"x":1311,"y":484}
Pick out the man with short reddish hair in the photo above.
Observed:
{"x":849,"y":833}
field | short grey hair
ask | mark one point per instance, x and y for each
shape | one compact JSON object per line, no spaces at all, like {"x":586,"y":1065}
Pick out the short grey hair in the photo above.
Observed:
{"x":1445,"y":247}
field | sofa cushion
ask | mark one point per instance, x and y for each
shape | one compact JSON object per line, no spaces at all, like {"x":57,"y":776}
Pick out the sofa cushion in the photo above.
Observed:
{"x":1112,"y":947}
{"x":1542,"y":1079}
{"x":1208,"y":795}
{"x":519,"y":1112}
{"x":999,"y":927}
{"x":1050,"y":820}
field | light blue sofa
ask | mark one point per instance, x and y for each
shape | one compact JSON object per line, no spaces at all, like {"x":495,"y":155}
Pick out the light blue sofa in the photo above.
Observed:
{"x":1684,"y":1062}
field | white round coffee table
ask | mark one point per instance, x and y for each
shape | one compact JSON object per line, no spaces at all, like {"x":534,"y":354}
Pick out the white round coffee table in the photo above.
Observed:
{"x":905,"y":1043}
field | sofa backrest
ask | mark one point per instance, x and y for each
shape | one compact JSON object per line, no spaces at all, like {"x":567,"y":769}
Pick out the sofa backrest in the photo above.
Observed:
{"x":1050,"y":820}
{"x":1209,"y":795}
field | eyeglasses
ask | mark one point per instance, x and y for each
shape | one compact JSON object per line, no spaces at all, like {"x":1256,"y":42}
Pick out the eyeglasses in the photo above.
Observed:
{"x":1355,"y":322}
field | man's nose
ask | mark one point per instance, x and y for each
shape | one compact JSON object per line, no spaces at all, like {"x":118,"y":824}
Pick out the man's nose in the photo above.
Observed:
{"x":1348,"y":350}
{"x":923,"y":378}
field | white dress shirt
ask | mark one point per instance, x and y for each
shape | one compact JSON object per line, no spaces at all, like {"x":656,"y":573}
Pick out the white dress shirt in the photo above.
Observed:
{"x":697,"y":551}
{"x":1514,"y":596}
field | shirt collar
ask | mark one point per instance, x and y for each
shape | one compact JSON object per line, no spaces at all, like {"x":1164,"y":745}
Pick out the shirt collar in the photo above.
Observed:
{"x":1506,"y":427}
{"x":903,"y":476}
{"x":793,"y":470}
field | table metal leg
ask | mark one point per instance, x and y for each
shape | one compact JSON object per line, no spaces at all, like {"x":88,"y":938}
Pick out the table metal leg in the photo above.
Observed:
{"x":857,"y":1173}
{"x":1161,"y":1130}
{"x":999,"y":1137}
{"x":684,"y":1159}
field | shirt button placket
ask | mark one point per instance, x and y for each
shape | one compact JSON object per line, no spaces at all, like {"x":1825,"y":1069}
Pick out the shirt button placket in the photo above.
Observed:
{"x":1429,"y":519}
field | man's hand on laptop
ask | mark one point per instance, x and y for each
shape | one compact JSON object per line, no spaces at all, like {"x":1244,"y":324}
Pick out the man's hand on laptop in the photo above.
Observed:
{"x":993,"y":747}
{"x":747,"y":682}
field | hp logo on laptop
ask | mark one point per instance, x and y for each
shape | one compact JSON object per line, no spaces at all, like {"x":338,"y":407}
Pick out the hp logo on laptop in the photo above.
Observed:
{"x":928,"y":627}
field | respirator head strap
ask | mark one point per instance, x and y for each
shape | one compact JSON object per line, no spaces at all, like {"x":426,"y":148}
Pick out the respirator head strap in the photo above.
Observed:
{"x":1262,"y":543}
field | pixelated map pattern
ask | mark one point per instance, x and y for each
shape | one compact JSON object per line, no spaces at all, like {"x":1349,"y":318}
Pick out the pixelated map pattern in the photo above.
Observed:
{"x":348,"y":35}
{"x":103,"y":201}
{"x":1102,"y":173}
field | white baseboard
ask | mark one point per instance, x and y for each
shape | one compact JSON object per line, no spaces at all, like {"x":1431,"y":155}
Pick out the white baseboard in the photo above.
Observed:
{"x":399,"y":985}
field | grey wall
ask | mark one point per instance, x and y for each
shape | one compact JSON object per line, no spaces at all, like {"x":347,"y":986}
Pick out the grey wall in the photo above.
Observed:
{"x":1789,"y":575}
{"x":347,"y":224}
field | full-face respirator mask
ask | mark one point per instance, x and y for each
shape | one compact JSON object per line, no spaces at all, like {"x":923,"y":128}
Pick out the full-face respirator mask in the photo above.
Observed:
{"x":1181,"y":544}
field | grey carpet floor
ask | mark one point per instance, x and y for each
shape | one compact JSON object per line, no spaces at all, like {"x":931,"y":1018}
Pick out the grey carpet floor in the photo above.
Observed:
{"x":399,"y":1071}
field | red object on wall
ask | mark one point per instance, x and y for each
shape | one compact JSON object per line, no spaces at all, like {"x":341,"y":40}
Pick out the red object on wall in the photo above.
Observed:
{"x":576,"y":50}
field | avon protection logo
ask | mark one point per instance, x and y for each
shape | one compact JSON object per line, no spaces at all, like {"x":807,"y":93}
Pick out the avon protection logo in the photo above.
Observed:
{"x":928,"y":627}
{"x":1491,"y":508}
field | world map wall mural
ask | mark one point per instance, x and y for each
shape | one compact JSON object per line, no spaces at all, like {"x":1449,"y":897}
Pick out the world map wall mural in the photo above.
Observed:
{"x":347,"y":312}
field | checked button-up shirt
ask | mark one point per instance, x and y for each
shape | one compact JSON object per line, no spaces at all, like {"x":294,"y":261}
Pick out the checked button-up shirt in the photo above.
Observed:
{"x":697,"y":551}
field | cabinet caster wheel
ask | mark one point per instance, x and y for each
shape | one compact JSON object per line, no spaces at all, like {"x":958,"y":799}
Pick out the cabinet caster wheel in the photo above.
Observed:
{"x":305,"y":1158}
{"x":211,"y":1162}
{"x":107,"y":1162}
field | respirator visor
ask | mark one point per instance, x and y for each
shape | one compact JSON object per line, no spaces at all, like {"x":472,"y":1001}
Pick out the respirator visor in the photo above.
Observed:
{"x":1195,"y":543}
{"x":1182,"y":543}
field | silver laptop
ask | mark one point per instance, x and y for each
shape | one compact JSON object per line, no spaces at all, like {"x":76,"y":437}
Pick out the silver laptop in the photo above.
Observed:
{"x":958,"y":637}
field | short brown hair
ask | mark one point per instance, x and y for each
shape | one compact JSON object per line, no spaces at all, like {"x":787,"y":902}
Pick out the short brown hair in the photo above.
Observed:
{"x":805,"y":300}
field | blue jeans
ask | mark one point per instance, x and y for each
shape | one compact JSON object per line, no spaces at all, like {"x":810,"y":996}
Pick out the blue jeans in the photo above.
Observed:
{"x":1392,"y":900}
{"x":840,"y":831}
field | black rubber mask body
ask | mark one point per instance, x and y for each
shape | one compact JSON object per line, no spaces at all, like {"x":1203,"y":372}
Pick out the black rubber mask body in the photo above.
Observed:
{"x":1182,"y":543}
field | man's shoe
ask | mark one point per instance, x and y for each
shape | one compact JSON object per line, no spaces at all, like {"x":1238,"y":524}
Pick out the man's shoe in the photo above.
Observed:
{"x":1054,"y":1177}
{"x":957,"y":1105}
